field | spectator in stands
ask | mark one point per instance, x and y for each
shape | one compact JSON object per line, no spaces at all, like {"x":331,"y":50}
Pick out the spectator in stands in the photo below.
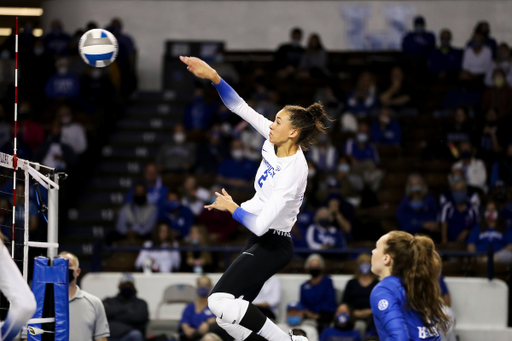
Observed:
{"x":364,"y":158}
{"x":350,"y":183}
{"x":331,"y":103}
{"x":156,"y":190}
{"x":193,"y":196}
{"x":466,"y":93}
{"x":178,"y":156}
{"x":269,"y":298}
{"x":417,"y":212}
{"x":343,"y":326}
{"x":461,"y":130}
{"x":322,"y":234}
{"x":472,"y":168}
{"x":386,"y":130}
{"x":492,"y":232}
{"x":57,"y":41}
{"x":317,"y":295}
{"x":458,"y":217}
{"x":477,"y":58}
{"x":29,"y":131}
{"x":358,"y":289}
{"x":62,"y":85}
{"x":502,"y":62}
{"x":483,"y":28}
{"x":314,"y":60}
{"x":198,"y":113}
{"x":225,"y":70}
{"x":446,"y":60}
{"x":499,"y":95}
{"x":199,"y":261}
{"x":180,"y":218}
{"x":501,"y":174}
{"x":363,"y":100}
{"x":398,"y":94}
{"x":87,"y":317}
{"x":137,"y":219}
{"x":471,"y":193}
{"x":295,"y":318}
{"x":197,"y":317}
{"x":494,"y":136}
{"x":73,"y":133}
{"x":159,"y":260}
{"x":305,"y":218}
{"x":54,"y":153}
{"x":237,"y":172}
{"x":323,"y":154}
{"x":220,"y":225}
{"x":420,"y":42}
{"x":211,"y":152}
{"x":289,"y":55}
{"x":126,"y":313}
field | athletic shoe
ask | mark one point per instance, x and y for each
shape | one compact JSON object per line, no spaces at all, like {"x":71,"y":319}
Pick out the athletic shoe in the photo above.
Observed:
{"x":297,"y":337}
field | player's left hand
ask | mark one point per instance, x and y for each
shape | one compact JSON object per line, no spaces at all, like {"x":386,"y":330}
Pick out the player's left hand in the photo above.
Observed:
{"x":224,"y":202}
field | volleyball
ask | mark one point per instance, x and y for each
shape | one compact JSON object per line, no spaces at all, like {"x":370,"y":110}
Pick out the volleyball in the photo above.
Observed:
{"x":98,"y":47}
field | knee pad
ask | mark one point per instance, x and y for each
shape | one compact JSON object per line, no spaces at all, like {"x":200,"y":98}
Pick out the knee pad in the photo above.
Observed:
{"x":227,"y":308}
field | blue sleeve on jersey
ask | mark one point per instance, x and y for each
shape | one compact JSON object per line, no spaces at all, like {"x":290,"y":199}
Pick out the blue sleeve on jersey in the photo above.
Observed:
{"x":387,"y":309}
{"x":227,"y":94}
{"x":245,"y":218}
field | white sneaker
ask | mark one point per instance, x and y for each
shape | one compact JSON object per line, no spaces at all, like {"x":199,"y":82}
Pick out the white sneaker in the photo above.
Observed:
{"x":297,"y":337}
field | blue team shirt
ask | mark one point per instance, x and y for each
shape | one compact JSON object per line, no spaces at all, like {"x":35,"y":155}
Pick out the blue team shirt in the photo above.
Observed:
{"x":367,"y":152}
{"x":335,"y":334}
{"x":390,"y":313}
{"x":389,"y":136}
{"x":194,"y":319}
{"x":419,"y":44}
{"x":458,"y":221}
{"x":238,"y":169}
{"x":490,"y":237}
{"x":411,"y":220}
{"x":320,"y":297}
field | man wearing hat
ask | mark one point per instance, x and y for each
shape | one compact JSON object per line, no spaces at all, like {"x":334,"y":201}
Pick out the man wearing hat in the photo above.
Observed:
{"x":295,"y":319}
{"x":419,"y":42}
{"x":126,"y":313}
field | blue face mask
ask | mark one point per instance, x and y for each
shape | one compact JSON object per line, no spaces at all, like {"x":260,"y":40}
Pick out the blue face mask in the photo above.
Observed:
{"x":343,"y":168}
{"x":365,"y":268}
{"x":172,"y":205}
{"x":293,"y":320}
{"x":342,"y":318}
{"x":460,"y":197}
{"x":416,"y":204}
{"x":203,"y":291}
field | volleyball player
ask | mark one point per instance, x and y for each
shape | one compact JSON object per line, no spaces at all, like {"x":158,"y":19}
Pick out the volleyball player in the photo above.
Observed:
{"x":14,"y":287}
{"x":280,"y":184}
{"x":407,"y":304}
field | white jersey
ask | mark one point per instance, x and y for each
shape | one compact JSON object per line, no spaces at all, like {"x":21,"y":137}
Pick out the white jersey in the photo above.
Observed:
{"x":280,"y":182}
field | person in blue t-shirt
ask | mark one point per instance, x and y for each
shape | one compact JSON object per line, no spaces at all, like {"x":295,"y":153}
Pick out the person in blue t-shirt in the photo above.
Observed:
{"x":420,"y":42}
{"x":407,"y":303}
{"x":237,"y":172}
{"x":156,"y":190}
{"x":362,"y":101}
{"x":386,"y":130}
{"x":179,"y":218}
{"x":417,"y":212}
{"x":445,"y":61}
{"x":322,"y":234}
{"x":492,"y":232}
{"x":197,"y":317}
{"x":198,"y":113}
{"x":63,"y":84}
{"x":317,"y":295}
{"x":343,"y":329}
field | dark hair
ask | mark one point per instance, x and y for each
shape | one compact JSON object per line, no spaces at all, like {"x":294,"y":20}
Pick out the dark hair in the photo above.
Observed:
{"x":155,"y":235}
{"x":296,"y":30}
{"x":418,"y":265}
{"x":500,"y":223}
{"x":308,"y":121}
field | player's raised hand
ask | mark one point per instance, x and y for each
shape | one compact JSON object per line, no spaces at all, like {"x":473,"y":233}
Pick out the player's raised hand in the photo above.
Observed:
{"x":224,"y":202}
{"x":201,"y":69}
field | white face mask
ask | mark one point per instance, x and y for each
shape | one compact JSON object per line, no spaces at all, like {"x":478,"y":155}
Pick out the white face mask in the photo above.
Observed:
{"x":62,"y":71}
{"x":96,"y":73}
{"x":179,"y":138}
{"x":362,"y":137}
{"x":237,"y":154}
{"x":311,"y":172}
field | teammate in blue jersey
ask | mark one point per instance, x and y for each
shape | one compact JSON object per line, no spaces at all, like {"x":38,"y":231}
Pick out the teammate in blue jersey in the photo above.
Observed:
{"x":407,"y":303}
{"x":280,"y":184}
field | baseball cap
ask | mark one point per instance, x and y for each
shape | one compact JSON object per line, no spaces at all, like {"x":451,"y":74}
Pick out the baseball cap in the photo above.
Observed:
{"x":294,"y":305}
{"x":126,"y":278}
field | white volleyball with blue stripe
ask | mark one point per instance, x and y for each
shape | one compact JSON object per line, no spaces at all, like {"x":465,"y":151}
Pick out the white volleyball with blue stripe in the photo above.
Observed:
{"x":98,"y":47}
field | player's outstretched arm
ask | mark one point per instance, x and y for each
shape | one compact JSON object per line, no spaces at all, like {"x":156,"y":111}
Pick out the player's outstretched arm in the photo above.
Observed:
{"x":201,"y":69}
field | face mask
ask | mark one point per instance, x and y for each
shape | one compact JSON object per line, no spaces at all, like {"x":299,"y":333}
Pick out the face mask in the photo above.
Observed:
{"x":179,"y":138}
{"x":203,"y":291}
{"x":71,"y":275}
{"x":465,"y":154}
{"x":416,"y":204}
{"x":237,"y":154}
{"x":293,"y":320}
{"x":172,"y":205}
{"x":419,"y":28}
{"x":38,"y":51}
{"x":499,"y":81}
{"x":362,"y":137}
{"x":460,"y":197}
{"x":445,"y":43}
{"x":311,"y":172}
{"x":365,"y":268}
{"x":344,"y":168}
{"x":57,"y":31}
{"x":65,"y":119}
{"x":62,"y":71}
{"x":96,"y":74}
{"x":324,"y":223}
{"x":295,"y":42}
{"x":491,"y":215}
{"x":342,"y":318}
{"x":127,"y":292}
{"x":477,"y":44}
{"x":139,"y":200}
{"x":416,"y":188}
{"x":219,"y":58}
{"x":315,"y":272}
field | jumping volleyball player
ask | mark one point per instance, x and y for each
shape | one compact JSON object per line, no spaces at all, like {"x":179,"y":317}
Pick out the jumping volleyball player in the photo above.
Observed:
{"x":407,"y":304}
{"x":280,"y":184}
{"x":14,"y":287}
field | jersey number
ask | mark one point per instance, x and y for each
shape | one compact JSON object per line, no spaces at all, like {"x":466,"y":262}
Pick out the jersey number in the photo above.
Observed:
{"x":262,"y":178}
